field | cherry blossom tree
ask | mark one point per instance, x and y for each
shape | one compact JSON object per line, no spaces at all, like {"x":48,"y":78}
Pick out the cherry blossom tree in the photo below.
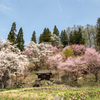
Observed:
{"x":37,"y":52}
{"x":93,"y":61}
{"x":54,"y":61}
{"x":55,"y":39}
{"x":28,"y":53}
{"x":12,"y":60}
{"x":78,"y":49}
{"x":74,"y":66}
{"x":67,"y":47}
{"x":55,"y":50}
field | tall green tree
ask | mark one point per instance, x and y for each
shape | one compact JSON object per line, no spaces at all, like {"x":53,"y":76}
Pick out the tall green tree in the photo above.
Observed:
{"x":45,"y":36}
{"x":55,"y":31}
{"x":98,"y":32}
{"x":12,"y":33}
{"x":80,"y":39}
{"x":75,"y":36}
{"x":64,"y":38}
{"x":33,"y":37}
{"x":20,"y":40}
{"x":71,"y":38}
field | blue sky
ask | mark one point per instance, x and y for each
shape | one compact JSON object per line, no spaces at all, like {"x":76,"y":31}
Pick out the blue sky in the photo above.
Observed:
{"x":35,"y":15}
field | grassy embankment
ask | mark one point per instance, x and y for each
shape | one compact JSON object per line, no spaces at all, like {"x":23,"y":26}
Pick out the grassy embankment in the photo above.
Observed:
{"x":69,"y":93}
{"x":85,"y":89}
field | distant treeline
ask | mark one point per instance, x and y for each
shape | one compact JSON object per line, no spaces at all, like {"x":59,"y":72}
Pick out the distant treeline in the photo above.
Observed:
{"x":88,"y":35}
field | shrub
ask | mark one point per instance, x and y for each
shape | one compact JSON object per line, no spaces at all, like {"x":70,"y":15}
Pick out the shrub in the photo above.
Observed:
{"x":46,"y":82}
{"x":68,"y":52}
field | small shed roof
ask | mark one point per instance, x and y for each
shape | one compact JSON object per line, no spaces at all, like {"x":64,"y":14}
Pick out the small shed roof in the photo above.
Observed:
{"x":44,"y":72}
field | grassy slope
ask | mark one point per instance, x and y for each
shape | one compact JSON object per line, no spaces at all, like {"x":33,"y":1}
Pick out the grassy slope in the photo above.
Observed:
{"x":43,"y":94}
{"x":84,"y":85}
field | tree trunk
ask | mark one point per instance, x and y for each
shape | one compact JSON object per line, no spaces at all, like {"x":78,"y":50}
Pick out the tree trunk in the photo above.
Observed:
{"x":96,"y":77}
{"x":11,"y":81}
{"x":2,"y":85}
{"x":3,"y":81}
{"x":58,"y":76}
{"x":75,"y":78}
{"x":16,"y":80}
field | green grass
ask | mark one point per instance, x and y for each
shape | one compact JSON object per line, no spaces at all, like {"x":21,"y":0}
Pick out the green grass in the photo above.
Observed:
{"x":66,"y":91}
{"x":85,"y":87}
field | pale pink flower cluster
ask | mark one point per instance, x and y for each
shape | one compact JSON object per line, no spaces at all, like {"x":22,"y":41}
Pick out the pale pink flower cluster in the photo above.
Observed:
{"x":67,"y":47}
{"x":40,"y":50}
{"x":12,"y":58}
{"x":54,"y":49}
{"x":78,"y":49}
{"x":93,"y":60}
{"x":55,"y":38}
{"x":54,"y":61}
{"x":28,"y":52}
{"x":73,"y":64}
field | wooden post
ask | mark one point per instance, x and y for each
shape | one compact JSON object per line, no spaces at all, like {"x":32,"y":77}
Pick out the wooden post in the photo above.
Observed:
{"x":2,"y":85}
{"x":11,"y":81}
{"x":16,"y":79}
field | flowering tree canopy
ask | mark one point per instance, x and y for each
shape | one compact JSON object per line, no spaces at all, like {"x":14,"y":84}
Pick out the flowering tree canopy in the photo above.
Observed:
{"x":38,"y":50}
{"x":11,"y":58}
{"x":93,"y":61}
{"x":78,"y":49}
{"x":67,"y":47}
{"x":55,"y":49}
{"x":37,"y":53}
{"x":55,"y":60}
{"x":73,"y":65}
{"x":55,"y":38}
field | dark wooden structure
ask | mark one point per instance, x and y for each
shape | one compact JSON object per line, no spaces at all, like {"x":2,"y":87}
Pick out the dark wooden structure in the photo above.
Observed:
{"x":44,"y":74}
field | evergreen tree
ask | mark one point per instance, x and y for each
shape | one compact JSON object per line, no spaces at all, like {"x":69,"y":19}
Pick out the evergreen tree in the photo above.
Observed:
{"x":98,"y":32}
{"x":45,"y":36}
{"x":33,"y":37}
{"x":75,"y":36}
{"x":55,"y":31}
{"x":71,"y":38}
{"x":12,"y":34}
{"x":80,"y":36}
{"x":64,"y":38}
{"x":20,"y":40}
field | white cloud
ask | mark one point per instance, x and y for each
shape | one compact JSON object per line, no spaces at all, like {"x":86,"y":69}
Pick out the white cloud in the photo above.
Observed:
{"x":59,"y":5}
{"x":4,"y":8}
{"x":95,"y":1}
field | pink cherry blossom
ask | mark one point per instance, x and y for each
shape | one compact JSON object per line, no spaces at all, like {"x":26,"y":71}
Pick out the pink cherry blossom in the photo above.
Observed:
{"x":74,"y":65}
{"x":11,"y":59}
{"x":78,"y":49}
{"x":92,"y":59}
